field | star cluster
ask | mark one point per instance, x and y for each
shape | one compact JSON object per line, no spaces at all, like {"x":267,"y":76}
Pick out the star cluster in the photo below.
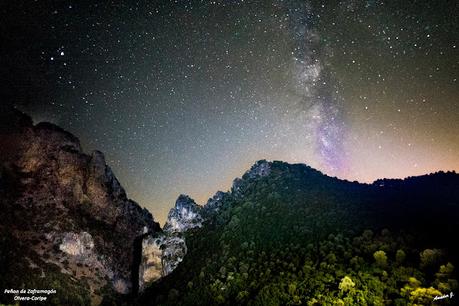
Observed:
{"x":183,"y":96}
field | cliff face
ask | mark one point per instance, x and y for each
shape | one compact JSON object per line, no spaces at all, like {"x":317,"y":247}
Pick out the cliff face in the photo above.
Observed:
{"x":66,"y":208}
{"x":183,"y":216}
{"x":162,"y":253}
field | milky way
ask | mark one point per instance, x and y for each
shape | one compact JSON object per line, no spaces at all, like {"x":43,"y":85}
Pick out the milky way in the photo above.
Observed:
{"x":315,"y":89}
{"x":184,"y":96}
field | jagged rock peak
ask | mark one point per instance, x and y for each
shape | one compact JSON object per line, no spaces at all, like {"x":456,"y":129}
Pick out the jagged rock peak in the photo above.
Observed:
{"x":216,"y":201}
{"x":100,"y":170}
{"x":259,"y":169}
{"x":184,"y":200}
{"x":161,"y":254}
{"x":185,"y":215}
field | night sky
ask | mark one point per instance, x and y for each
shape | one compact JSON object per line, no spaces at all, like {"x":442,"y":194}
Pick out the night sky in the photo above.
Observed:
{"x":184,"y":96}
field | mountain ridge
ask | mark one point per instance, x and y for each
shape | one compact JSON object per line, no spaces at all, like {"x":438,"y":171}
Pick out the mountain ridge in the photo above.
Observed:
{"x":69,"y":220}
{"x":295,"y":207}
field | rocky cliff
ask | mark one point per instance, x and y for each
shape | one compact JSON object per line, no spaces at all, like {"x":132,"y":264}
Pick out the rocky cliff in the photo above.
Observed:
{"x":64,"y":210}
{"x":162,"y":253}
{"x":67,"y":215}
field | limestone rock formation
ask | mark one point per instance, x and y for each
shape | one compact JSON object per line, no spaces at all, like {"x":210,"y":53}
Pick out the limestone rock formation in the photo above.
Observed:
{"x":214,"y":203}
{"x":151,"y":265}
{"x":161,"y":254}
{"x":66,"y":208}
{"x":184,"y":216}
{"x":77,"y":244}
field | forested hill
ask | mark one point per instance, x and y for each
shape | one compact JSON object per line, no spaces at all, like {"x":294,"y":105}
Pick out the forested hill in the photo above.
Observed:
{"x":290,"y":235}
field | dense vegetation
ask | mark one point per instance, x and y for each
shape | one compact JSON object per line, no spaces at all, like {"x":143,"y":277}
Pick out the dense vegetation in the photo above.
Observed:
{"x":297,"y":237}
{"x":367,"y":270}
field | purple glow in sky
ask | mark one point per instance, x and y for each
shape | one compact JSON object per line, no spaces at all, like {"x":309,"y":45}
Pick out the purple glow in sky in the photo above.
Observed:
{"x":317,"y":92}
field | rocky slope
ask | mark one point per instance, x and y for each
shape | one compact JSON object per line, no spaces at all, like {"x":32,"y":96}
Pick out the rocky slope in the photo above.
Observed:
{"x":64,"y":210}
{"x":258,"y":170}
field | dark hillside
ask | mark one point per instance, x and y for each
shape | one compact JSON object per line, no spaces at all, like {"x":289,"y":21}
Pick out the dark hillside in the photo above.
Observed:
{"x":294,"y":235}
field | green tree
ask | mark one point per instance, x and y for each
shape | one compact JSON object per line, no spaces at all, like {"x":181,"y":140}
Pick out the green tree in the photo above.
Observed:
{"x":445,"y":271}
{"x":400,"y":257}
{"x":424,"y":296}
{"x":380,"y":258}
{"x":430,"y":257}
{"x":346,"y":284}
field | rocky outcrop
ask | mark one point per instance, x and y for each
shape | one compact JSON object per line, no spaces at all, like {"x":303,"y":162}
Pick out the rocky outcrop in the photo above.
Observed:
{"x":151,"y":265}
{"x":183,"y":216}
{"x":67,"y":206}
{"x":214,"y":203}
{"x":161,"y":254}
{"x":174,"y":251}
{"x":169,"y":247}
{"x":77,"y":244}
{"x":260,"y":169}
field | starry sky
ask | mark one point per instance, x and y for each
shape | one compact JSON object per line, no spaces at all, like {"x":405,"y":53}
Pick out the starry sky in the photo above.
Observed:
{"x":184,"y":96}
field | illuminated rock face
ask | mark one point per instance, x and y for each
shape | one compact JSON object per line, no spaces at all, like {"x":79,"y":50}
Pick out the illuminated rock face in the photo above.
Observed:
{"x":151,"y":266}
{"x":75,"y":244}
{"x":163,"y":253}
{"x":259,"y":169}
{"x":174,"y":251}
{"x":214,"y":203}
{"x":74,"y":212}
{"x":184,"y":216}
